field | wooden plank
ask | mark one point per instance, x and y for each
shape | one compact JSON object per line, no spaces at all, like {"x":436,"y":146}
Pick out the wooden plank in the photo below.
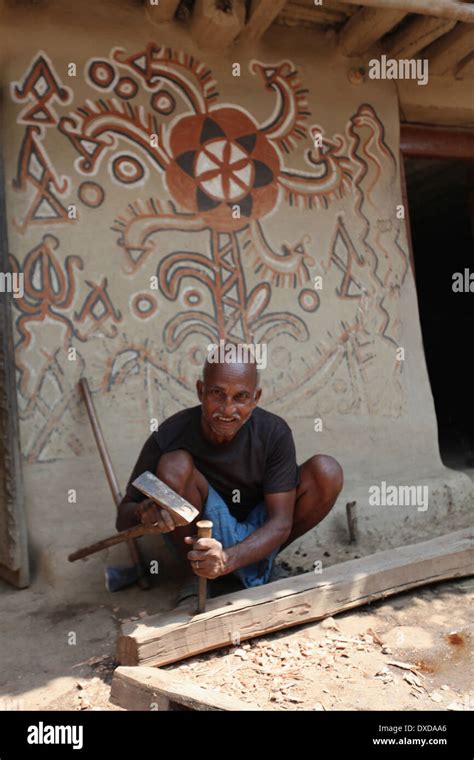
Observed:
{"x":262,"y":14}
{"x":444,"y":54}
{"x":158,"y":639}
{"x":145,"y":688}
{"x":416,"y":35}
{"x":215,"y":29}
{"x":436,"y":142}
{"x":365,"y":28}
{"x":161,"y":11}
{"x":456,"y":10}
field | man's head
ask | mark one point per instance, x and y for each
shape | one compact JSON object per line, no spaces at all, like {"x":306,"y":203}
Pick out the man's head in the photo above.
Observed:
{"x":228,"y":392}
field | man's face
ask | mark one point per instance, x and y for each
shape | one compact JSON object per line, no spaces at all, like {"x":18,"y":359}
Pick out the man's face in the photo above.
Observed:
{"x":228,"y":396}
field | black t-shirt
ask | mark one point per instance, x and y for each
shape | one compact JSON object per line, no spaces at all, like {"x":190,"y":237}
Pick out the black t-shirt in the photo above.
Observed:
{"x":259,"y":459}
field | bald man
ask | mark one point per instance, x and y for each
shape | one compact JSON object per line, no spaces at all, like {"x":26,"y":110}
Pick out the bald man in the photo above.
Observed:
{"x":236,"y":463}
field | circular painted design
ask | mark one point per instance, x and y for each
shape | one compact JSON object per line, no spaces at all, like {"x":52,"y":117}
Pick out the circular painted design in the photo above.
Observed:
{"x":192,"y":297}
{"x":308,"y":300}
{"x":126,"y":88}
{"x":163,"y":102}
{"x":222,"y":164}
{"x":144,"y":305}
{"x":101,"y":73}
{"x":127,"y":169}
{"x":91,"y":194}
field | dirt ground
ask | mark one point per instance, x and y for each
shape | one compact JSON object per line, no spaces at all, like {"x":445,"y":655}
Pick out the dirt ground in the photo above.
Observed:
{"x":409,"y":652}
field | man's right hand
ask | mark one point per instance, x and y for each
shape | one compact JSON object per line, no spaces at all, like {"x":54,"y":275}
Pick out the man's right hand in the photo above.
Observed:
{"x":150,"y":513}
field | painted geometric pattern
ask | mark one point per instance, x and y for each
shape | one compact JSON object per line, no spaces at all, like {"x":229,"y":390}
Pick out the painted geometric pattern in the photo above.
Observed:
{"x":205,"y":188}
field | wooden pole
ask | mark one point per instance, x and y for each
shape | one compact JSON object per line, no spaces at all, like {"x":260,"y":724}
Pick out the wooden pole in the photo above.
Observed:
{"x":444,"y":54}
{"x":111,"y":477}
{"x":262,"y":14}
{"x":363,"y":30}
{"x":352,"y":522}
{"x":416,"y":35}
{"x":465,"y":68}
{"x":117,"y":538}
{"x":213,"y":28}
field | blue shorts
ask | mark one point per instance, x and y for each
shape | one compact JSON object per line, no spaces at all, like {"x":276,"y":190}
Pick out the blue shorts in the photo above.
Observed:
{"x":229,"y":531}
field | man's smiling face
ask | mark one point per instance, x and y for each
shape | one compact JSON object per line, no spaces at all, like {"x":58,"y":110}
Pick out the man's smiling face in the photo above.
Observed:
{"x":228,"y":394}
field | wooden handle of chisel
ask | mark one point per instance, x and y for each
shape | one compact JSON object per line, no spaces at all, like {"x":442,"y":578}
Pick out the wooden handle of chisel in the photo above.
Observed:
{"x":204,"y":531}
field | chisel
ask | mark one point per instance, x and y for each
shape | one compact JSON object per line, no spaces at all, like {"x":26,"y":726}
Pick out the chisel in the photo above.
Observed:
{"x":204,"y":531}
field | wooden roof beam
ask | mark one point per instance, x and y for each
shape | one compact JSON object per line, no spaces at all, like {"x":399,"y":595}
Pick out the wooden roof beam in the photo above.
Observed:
{"x":161,"y":11}
{"x":262,"y":14}
{"x":364,"y":29}
{"x":450,"y":9}
{"x":444,"y":54}
{"x":216,"y":23}
{"x":466,"y":67}
{"x":416,"y":35}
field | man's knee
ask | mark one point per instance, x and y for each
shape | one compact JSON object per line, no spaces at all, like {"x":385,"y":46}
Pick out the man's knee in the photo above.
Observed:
{"x":175,"y":469}
{"x":328,"y":476}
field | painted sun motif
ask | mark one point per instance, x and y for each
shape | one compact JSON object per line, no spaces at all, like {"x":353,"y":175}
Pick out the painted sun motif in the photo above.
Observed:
{"x":221,"y":160}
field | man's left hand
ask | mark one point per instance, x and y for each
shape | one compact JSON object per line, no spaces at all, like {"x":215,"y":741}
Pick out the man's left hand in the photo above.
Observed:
{"x":208,"y":559}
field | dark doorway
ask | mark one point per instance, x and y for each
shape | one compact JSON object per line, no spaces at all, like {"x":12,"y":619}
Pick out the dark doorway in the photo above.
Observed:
{"x":441,"y":202}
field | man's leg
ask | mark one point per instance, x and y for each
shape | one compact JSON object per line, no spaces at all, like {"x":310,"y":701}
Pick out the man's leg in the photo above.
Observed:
{"x":321,"y":481}
{"x":178,"y":471}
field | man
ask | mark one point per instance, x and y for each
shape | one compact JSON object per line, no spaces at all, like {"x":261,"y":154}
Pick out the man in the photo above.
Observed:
{"x":236,"y":464}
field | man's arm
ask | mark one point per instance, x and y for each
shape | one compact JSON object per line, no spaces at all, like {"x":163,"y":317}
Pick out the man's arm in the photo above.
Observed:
{"x":272,"y":534}
{"x":216,"y":561}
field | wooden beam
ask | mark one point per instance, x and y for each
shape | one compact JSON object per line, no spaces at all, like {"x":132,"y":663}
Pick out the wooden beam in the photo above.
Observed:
{"x":158,"y":639}
{"x":214,"y":28}
{"x":452,"y":9}
{"x":416,"y":35}
{"x":444,"y":54}
{"x":436,"y":142}
{"x":161,"y":11}
{"x":262,"y":14}
{"x":465,"y":68}
{"x":312,"y":16}
{"x":154,"y":689}
{"x":365,"y":28}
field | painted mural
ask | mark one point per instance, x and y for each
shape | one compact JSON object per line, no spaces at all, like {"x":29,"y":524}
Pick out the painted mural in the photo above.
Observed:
{"x":191,"y":192}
